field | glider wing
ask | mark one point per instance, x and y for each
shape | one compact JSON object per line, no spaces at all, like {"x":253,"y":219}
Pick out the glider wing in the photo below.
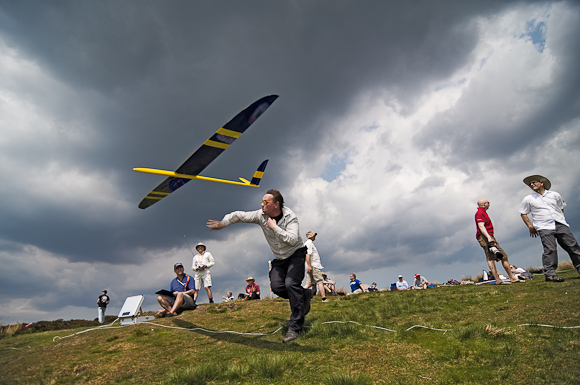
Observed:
{"x":208,"y":151}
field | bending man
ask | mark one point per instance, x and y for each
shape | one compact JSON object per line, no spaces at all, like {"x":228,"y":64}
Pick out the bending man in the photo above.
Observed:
{"x":281,"y":230}
{"x":492,"y":249}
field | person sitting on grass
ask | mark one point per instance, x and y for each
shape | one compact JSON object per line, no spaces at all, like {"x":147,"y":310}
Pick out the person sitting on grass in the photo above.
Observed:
{"x":182,"y":287}
{"x":329,"y":285}
{"x":252,"y":290}
{"x":355,"y":285}
{"x":420,"y":282}
{"x":401,"y":284}
{"x":373,"y":287}
{"x":228,"y":297}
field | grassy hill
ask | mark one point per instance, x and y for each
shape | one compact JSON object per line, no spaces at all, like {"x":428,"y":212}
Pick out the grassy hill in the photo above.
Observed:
{"x":347,"y":342}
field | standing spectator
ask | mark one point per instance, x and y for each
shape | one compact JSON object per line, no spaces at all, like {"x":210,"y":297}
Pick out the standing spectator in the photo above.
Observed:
{"x":314,"y":265}
{"x":402,"y":285}
{"x":420,"y":282}
{"x":201,"y":264}
{"x":282,"y":232}
{"x":102,"y":303}
{"x":355,"y":285}
{"x":492,"y":249}
{"x":547,"y":210}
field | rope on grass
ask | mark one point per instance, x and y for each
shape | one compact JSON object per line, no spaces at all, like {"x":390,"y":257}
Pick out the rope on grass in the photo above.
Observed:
{"x":425,"y":327}
{"x":168,"y":327}
{"x":356,"y":323}
{"x":109,"y":326}
{"x":212,"y":331}
{"x":280,"y":328}
{"x":551,"y":326}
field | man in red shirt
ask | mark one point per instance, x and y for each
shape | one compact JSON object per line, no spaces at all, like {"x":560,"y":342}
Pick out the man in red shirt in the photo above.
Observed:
{"x":492,"y":249}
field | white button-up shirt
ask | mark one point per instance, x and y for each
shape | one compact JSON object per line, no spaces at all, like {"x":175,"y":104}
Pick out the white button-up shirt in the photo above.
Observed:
{"x":284,"y":240}
{"x":545,"y":209}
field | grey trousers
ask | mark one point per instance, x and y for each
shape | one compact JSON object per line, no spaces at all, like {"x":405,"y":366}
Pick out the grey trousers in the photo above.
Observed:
{"x":550,"y":240}
{"x":286,"y":281}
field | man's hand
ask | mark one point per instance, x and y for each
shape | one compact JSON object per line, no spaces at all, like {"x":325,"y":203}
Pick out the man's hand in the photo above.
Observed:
{"x":272,"y":223}
{"x":215,"y":225}
{"x":533,"y":232}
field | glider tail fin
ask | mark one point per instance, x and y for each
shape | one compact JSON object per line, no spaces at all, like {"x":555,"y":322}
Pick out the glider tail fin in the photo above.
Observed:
{"x":259,"y":173}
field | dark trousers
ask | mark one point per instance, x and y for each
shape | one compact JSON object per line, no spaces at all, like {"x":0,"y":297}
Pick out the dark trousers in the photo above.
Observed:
{"x":286,"y":278}
{"x":566,"y":240}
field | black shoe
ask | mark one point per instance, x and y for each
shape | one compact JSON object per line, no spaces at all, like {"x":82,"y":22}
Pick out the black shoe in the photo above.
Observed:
{"x":308,"y":294}
{"x":211,"y":300}
{"x":554,"y":278}
{"x":291,"y":335}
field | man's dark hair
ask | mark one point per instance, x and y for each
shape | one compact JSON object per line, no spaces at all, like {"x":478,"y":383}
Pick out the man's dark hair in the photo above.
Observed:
{"x":277,"y":197}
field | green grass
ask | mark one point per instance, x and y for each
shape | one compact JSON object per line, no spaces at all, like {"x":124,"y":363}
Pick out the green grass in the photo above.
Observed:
{"x":482,"y":343}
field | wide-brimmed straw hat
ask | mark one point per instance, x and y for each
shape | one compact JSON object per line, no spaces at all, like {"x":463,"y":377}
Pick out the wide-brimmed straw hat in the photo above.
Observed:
{"x":311,"y":234}
{"x":250,"y":279}
{"x":540,"y":179}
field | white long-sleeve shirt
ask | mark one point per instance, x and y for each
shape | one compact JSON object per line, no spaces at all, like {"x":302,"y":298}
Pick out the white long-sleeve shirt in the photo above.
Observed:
{"x":284,"y":240}
{"x":202,"y":259}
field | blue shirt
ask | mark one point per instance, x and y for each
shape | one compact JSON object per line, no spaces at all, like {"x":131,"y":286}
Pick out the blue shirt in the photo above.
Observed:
{"x":354,"y":285}
{"x":185,"y":285}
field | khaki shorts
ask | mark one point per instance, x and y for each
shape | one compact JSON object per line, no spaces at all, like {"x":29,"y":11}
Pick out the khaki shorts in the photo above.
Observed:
{"x":202,"y":278}
{"x":314,"y":277}
{"x":489,"y":255}
{"x":187,"y":301}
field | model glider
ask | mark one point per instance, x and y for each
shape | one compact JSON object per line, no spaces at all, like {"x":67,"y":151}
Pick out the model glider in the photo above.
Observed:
{"x":206,"y":154}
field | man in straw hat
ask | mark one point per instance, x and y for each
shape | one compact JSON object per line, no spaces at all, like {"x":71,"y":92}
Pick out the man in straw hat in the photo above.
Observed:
{"x":547,"y":210}
{"x":281,"y":229}
{"x":252,"y":290}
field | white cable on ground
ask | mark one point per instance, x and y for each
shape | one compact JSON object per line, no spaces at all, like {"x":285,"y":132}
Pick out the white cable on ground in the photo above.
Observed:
{"x":280,"y":328}
{"x":425,"y":327}
{"x":352,"y":322}
{"x":551,"y":326}
{"x":90,"y":330}
{"x":213,"y":331}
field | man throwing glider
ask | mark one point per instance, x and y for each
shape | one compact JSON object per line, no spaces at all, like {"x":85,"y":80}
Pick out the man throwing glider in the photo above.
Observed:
{"x":281,"y":229}
{"x":547,"y":209}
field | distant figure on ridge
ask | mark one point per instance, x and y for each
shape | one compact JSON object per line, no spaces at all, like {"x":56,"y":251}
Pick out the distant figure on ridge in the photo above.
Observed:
{"x":102,"y":303}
